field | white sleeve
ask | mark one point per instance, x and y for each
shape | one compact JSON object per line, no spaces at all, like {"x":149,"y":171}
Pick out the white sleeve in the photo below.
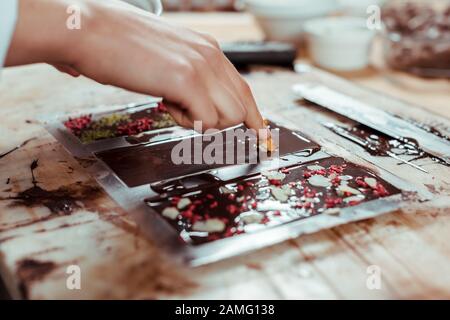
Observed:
{"x":8,"y":17}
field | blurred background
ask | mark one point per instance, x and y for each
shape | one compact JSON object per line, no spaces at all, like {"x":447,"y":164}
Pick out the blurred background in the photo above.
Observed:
{"x":412,"y":36}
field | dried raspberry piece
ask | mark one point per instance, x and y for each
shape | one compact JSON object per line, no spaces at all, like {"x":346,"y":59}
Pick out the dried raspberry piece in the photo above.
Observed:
{"x":232,"y":209}
{"x":381,"y":191}
{"x":336,"y":181}
{"x":336,"y":169}
{"x":175,"y":200}
{"x":161,"y":107}
{"x":213,"y":205}
{"x":188,"y":214}
{"x":333,"y":202}
{"x":229,"y":232}
{"x":265,"y":220}
{"x":135,"y":127}
{"x":307,"y":205}
{"x":321,"y":172}
{"x":75,"y":125}
{"x":361,"y":183}
{"x":275,"y":182}
{"x":307,"y":174}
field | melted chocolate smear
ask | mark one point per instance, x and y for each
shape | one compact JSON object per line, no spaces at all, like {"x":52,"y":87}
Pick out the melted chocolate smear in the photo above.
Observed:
{"x":428,"y":128}
{"x":33,"y":167}
{"x":379,"y":144}
{"x":62,"y":201}
{"x":258,"y":202}
{"x":30,"y":270}
{"x":16,"y":148}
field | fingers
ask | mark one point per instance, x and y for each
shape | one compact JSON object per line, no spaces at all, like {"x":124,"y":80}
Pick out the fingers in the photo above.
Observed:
{"x":179,"y":115}
{"x":253,"y":118}
{"x":205,"y":94}
{"x":238,"y":86}
{"x":67,"y":69}
{"x":228,"y":103}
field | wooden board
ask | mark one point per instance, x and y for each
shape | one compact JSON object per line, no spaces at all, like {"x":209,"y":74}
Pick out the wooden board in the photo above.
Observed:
{"x":412,"y":249}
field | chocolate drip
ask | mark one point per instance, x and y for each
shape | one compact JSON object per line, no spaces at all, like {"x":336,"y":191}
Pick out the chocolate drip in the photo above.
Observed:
{"x":379,"y":144}
{"x":62,"y":201}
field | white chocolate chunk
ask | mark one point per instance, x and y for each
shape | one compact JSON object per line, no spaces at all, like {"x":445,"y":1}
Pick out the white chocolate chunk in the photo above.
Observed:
{"x":183,"y":203}
{"x":354,"y":198}
{"x":332,"y":211}
{"x":371,"y":182}
{"x":315,"y":167}
{"x":280,"y":194}
{"x":319,"y":181}
{"x":171,"y":213}
{"x":210,"y":225}
{"x":345,"y":188}
{"x":251,"y":217}
{"x":273,"y":175}
{"x":226,"y":190}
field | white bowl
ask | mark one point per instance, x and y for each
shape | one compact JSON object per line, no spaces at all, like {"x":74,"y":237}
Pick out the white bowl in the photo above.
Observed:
{"x":339,"y":43}
{"x":359,"y":7}
{"x":282,"y":20}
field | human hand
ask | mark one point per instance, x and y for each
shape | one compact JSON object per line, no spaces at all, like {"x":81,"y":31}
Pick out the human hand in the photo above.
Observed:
{"x":121,"y":45}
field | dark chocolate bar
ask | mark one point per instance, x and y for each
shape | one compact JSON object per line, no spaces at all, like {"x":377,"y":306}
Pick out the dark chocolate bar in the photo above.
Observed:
{"x":144,"y":164}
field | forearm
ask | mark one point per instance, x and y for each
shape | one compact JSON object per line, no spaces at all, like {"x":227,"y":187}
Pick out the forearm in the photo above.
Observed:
{"x":41,"y":33}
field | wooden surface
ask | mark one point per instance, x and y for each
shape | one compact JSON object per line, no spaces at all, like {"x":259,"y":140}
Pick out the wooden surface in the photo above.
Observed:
{"x":411,"y":248}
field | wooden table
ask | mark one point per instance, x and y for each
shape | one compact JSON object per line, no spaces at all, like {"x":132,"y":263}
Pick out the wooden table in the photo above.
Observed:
{"x":412,"y":249}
